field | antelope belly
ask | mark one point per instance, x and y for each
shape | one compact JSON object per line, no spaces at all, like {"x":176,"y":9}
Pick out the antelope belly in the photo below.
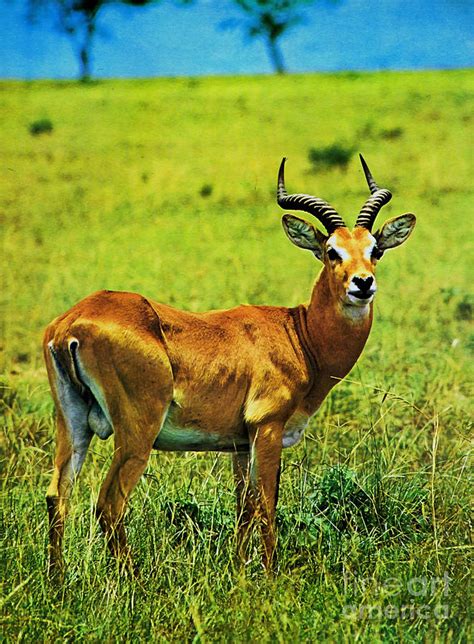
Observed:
{"x":173,"y":438}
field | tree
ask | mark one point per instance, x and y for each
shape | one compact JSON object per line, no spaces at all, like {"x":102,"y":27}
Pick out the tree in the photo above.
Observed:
{"x":76,"y":18}
{"x":269,"y":20}
{"x":79,"y":20}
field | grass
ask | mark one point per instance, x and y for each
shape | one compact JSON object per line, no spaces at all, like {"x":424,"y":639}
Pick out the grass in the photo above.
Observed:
{"x":167,"y":187}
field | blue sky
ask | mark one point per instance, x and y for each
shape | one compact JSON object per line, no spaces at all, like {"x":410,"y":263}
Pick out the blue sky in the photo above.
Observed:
{"x":166,"y":40}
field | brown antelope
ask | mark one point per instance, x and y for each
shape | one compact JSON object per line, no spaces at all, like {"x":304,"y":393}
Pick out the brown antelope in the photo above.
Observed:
{"x":244,"y":381}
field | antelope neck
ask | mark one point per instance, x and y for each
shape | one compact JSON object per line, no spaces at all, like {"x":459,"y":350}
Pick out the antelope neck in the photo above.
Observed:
{"x":336,"y":338}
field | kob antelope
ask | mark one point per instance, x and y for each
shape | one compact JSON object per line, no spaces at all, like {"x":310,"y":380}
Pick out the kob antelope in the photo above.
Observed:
{"x":244,"y":381}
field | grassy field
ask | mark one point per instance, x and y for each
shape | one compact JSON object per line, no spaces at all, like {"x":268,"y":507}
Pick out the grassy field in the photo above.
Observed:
{"x":167,"y":187}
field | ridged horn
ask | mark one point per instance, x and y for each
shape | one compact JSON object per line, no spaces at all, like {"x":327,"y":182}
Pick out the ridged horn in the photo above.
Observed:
{"x":379,"y":197}
{"x":307,"y":203}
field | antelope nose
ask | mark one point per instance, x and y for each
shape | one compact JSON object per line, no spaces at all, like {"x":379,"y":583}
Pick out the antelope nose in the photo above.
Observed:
{"x":363,"y":283}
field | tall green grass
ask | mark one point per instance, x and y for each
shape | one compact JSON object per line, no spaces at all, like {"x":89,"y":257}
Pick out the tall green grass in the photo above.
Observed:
{"x":167,"y":187}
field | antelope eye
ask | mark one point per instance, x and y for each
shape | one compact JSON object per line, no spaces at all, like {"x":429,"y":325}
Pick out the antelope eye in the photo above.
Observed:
{"x":333,"y":255}
{"x":376,"y":253}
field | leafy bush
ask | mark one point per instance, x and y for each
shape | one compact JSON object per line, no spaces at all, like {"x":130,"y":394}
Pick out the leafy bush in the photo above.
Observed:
{"x":343,"y":505}
{"x":464,"y":308}
{"x":341,"y":499}
{"x":391,"y":133}
{"x":334,"y":155}
{"x":206,"y":190}
{"x":41,"y":126}
{"x":340,"y":506}
{"x":463,"y":302}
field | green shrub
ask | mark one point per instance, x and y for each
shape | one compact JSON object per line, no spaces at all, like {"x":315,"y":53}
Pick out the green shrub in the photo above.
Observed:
{"x":343,"y":504}
{"x":206,"y":190}
{"x":391,"y":133}
{"x":334,"y":155}
{"x":41,"y":126}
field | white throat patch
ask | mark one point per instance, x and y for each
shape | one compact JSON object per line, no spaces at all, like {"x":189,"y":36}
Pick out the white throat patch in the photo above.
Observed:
{"x":356,"y":313}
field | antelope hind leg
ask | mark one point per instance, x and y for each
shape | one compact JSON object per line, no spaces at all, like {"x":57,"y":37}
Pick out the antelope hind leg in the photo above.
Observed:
{"x":125,"y":472}
{"x":73,"y":437}
{"x":135,"y":431}
{"x":71,"y":449}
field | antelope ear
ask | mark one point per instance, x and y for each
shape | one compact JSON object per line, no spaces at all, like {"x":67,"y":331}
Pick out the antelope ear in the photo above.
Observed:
{"x":304,"y":235}
{"x":395,"y":231}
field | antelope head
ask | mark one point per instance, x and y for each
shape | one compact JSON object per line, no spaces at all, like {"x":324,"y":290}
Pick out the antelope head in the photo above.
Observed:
{"x":349,"y":256}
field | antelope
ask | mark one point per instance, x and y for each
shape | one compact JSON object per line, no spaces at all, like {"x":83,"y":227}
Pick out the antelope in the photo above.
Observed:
{"x":244,"y":381}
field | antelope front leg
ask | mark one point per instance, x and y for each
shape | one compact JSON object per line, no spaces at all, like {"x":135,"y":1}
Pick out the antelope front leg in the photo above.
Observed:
{"x":265,"y":455}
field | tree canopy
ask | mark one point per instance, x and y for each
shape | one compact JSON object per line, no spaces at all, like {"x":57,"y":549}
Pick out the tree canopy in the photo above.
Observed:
{"x":269,"y":20}
{"x":79,"y":20}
